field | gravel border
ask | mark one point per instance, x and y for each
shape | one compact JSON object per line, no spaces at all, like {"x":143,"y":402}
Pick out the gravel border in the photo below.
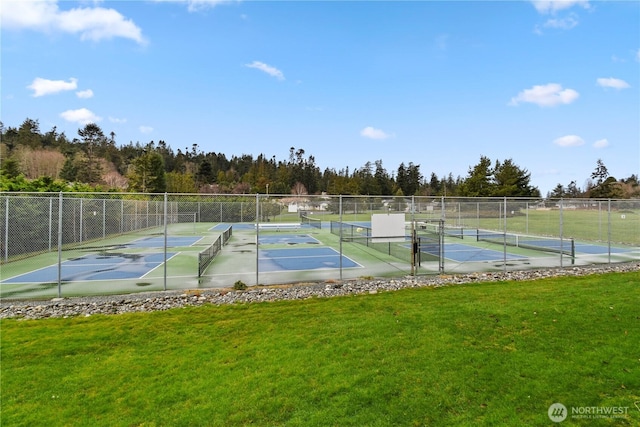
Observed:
{"x":156,"y":301}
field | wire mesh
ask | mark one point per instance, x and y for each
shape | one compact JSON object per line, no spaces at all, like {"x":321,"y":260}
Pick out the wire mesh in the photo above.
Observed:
{"x":126,"y":242}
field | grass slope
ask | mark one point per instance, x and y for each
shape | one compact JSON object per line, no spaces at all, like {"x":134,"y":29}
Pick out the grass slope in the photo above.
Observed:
{"x":484,"y":354}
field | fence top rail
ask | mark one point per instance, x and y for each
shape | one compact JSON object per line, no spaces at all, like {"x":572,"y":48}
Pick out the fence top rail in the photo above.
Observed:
{"x":290,"y":197}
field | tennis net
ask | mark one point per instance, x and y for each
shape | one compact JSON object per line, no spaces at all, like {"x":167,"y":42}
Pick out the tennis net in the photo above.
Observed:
{"x":540,"y":243}
{"x":435,"y":227}
{"x":206,"y":256}
{"x":428,"y":246}
{"x":311,"y":222}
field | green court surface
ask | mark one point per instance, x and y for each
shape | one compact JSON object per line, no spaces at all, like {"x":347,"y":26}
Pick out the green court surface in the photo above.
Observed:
{"x":135,"y":262}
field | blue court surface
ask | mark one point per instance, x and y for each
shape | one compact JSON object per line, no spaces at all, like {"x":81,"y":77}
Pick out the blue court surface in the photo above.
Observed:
{"x":591,"y":249}
{"x":287,"y":239}
{"x":465,"y":253}
{"x":269,"y":226}
{"x":158,"y":241}
{"x":302,"y":259}
{"x":95,"y":267}
{"x":223,"y":226}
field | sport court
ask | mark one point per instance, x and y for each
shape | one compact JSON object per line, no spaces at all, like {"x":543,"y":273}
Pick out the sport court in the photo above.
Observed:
{"x":107,"y":266}
{"x":276,"y":258}
{"x":110,"y":263}
{"x":271,"y":260}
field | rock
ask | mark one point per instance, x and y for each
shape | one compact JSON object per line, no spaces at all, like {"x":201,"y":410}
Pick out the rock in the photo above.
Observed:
{"x":118,"y":304}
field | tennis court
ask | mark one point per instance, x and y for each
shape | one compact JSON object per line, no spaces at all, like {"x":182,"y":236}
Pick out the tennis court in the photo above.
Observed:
{"x":459,"y":252}
{"x":108,"y":243}
{"x":593,"y":249}
{"x":105,"y":266}
{"x":288,"y":239}
{"x":158,"y":241}
{"x":303,"y":259}
{"x":108,"y":265}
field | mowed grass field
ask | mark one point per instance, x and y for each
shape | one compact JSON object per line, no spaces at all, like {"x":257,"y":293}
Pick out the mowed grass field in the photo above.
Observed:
{"x":621,"y":226}
{"x":477,"y":354}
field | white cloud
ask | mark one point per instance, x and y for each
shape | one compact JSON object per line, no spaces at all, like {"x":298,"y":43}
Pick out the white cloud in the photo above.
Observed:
{"x":84,"y":94}
{"x":197,"y":5}
{"x":43,"y":87}
{"x":145,"y":129}
{"x":373,"y":133}
{"x":90,"y":23}
{"x":569,"y":141}
{"x":81,"y":115}
{"x":562,"y":23}
{"x":552,"y":6}
{"x":613,"y":83}
{"x":272,"y":71}
{"x":601,"y":143}
{"x":638,"y":55}
{"x":548,"y":95}
{"x":556,"y":8}
{"x":117,"y":120}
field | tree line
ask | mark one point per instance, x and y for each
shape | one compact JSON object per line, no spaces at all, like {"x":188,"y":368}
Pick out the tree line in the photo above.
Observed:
{"x":32,"y":160}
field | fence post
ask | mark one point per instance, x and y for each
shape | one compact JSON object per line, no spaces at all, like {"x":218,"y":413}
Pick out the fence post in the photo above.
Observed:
{"x":6,"y":230}
{"x":609,"y":228}
{"x":561,"y":231}
{"x":60,"y":246}
{"x":104,"y":218}
{"x":257,"y":238}
{"x":81,"y":219}
{"x":340,"y":239}
{"x":504,"y":233}
{"x":599,"y":219}
{"x":441,"y":244}
{"x":121,"y":215}
{"x":165,"y":240}
{"x":50,"y":220}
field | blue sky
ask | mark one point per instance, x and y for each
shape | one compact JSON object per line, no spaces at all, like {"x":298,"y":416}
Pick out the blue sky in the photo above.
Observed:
{"x":553,"y":85}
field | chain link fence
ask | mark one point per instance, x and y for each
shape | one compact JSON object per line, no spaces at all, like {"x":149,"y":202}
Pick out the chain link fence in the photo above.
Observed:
{"x":67,"y":244}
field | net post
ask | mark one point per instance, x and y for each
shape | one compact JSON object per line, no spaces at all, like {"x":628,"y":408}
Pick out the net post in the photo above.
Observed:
{"x":414,"y":241}
{"x":573,"y":251}
{"x":414,"y":247}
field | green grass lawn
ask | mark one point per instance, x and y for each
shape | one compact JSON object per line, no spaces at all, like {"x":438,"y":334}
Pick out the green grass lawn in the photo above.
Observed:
{"x":477,"y":354}
{"x":586,"y":225}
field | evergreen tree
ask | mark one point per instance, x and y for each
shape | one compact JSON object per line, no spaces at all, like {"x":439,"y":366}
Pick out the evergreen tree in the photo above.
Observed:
{"x":89,"y":170}
{"x":148,"y":174}
{"x":605,"y":186}
{"x":10,"y":168}
{"x":512,"y":181}
{"x":69,"y":171}
{"x":479,"y":182}
{"x":383,"y":180}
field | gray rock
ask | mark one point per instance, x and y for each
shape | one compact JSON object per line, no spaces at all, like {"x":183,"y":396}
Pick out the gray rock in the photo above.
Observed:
{"x":118,"y":304}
